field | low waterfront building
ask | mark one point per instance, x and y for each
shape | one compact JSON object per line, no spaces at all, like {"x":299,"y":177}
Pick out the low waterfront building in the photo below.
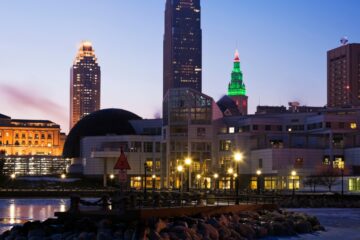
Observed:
{"x":31,"y":147}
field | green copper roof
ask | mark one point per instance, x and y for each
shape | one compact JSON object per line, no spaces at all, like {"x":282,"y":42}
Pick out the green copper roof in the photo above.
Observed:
{"x":236,"y":86}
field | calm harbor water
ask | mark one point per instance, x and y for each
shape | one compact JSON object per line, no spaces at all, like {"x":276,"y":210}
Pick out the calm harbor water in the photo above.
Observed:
{"x":18,"y":211}
{"x":340,"y":223}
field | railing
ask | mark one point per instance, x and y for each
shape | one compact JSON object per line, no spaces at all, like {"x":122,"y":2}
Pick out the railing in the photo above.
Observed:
{"x":168,"y":200}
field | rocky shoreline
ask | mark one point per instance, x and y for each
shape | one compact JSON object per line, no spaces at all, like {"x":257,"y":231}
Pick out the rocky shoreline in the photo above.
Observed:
{"x":229,"y":226}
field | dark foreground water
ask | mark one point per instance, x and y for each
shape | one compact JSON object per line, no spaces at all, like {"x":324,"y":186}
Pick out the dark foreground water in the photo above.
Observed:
{"x":340,"y":223}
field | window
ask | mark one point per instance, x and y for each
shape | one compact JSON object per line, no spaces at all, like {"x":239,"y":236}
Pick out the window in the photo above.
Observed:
{"x":255,"y":127}
{"x":328,"y":124}
{"x":49,"y":136}
{"x":16,"y":135}
{"x":201,"y":132}
{"x":341,"y":125}
{"x":149,"y":163}
{"x":23,"y":135}
{"x":225,"y":145}
{"x":299,"y":162}
{"x":231,"y":129}
{"x":326,"y":160}
{"x":42,"y":136}
{"x":267,"y":127}
{"x":260,"y":163}
{"x":148,"y":146}
{"x":157,"y":147}
{"x":353,"y":125}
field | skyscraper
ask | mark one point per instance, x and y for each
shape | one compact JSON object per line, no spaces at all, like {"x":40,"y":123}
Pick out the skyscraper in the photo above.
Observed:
{"x":343,"y":76}
{"x":182,"y":45}
{"x":85,"y":83}
{"x":236,"y":89}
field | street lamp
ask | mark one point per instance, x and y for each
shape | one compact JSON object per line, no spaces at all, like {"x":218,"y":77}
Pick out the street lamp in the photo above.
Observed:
{"x":215,"y":180}
{"x":12,"y":176}
{"x":188,"y":162}
{"x":258,"y":173}
{"x":180,"y":169}
{"x":293,"y":174}
{"x":238,"y":157}
{"x":145,"y":178}
{"x":341,"y":166}
{"x":153,"y":177}
{"x":198,"y":177}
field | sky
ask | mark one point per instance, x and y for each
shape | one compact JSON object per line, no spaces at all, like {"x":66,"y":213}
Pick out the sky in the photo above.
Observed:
{"x":282,"y":47}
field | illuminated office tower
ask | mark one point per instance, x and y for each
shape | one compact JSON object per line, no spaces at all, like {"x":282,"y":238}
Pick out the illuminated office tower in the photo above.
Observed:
{"x":236,"y":89}
{"x":182,"y":45}
{"x":85,"y":84}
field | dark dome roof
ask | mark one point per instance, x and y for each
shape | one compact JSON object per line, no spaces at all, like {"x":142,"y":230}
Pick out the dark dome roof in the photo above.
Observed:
{"x":99,"y":123}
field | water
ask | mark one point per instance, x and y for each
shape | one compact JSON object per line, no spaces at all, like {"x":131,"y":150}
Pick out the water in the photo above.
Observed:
{"x":340,"y":223}
{"x":19,"y":211}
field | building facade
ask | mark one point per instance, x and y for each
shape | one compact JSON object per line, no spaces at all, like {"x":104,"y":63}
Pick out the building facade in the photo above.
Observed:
{"x":85,"y":79}
{"x":182,"y":45}
{"x":343,"y":76}
{"x":31,"y":147}
{"x":30,"y":137}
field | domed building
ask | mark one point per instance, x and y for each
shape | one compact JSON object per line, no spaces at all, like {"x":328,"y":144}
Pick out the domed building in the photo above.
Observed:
{"x":95,"y":142}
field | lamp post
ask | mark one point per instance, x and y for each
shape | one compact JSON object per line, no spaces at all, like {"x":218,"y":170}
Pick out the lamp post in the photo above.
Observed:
{"x":215,"y":180}
{"x":258,"y":173}
{"x":12,"y":176}
{"x":153,"y":177}
{"x":145,"y":177}
{"x":230,"y":171}
{"x":180,"y":169}
{"x":188,"y":162}
{"x":63,"y":176}
{"x":341,"y":166}
{"x":238,"y":158}
{"x":198,"y":178}
{"x":293,"y":174}
{"x":112,"y":176}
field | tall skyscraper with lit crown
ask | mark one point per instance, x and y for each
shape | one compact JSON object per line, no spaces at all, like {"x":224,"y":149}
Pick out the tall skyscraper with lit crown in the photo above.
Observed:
{"x":85,"y":83}
{"x":236,"y":89}
{"x":182,"y":45}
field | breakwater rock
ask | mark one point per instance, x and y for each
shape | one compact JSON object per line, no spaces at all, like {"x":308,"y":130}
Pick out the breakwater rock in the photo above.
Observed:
{"x":227,"y":226}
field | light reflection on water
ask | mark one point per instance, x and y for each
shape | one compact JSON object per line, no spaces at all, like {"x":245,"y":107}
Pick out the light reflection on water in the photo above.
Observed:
{"x":19,"y":211}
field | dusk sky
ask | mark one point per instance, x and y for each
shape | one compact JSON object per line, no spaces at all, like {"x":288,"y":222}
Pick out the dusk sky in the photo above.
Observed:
{"x":282,"y":46}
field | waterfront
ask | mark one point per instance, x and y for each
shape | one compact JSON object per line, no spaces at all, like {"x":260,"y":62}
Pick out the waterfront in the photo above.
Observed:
{"x":339,"y":222}
{"x":19,"y":211}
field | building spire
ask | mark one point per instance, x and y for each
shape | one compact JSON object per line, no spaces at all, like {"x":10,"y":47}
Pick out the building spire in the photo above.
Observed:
{"x":237,"y":58}
{"x":236,"y":85}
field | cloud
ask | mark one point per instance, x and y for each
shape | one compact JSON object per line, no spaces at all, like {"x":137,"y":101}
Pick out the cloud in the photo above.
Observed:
{"x":24,"y":98}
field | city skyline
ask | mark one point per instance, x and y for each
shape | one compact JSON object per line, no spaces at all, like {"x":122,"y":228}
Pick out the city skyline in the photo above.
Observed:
{"x":289,"y":42}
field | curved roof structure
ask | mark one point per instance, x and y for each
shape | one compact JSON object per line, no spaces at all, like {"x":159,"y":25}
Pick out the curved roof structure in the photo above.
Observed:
{"x":100,"y":123}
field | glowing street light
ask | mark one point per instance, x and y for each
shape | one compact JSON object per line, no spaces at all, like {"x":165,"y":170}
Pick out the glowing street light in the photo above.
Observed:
{"x":112,"y":176}
{"x":13,"y":176}
{"x":258,"y":173}
{"x":293,"y":174}
{"x":153,"y":177}
{"x":238,"y":157}
{"x":180,"y":169}
{"x":188,"y":162}
{"x":215,"y":180}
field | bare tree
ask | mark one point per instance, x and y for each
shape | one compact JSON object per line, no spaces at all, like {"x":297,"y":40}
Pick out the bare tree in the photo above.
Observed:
{"x":312,"y":181}
{"x":329,"y":177}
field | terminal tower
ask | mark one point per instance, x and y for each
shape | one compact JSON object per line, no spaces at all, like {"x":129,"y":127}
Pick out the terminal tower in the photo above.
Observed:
{"x":236,"y":89}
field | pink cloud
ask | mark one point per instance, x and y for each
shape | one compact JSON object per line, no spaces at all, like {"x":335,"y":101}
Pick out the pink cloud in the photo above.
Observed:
{"x":24,"y":98}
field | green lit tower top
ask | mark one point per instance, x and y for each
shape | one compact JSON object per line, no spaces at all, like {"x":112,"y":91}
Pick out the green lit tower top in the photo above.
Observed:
{"x":236,"y":86}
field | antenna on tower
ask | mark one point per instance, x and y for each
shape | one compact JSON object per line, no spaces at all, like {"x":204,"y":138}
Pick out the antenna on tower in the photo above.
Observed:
{"x":344,"y":40}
